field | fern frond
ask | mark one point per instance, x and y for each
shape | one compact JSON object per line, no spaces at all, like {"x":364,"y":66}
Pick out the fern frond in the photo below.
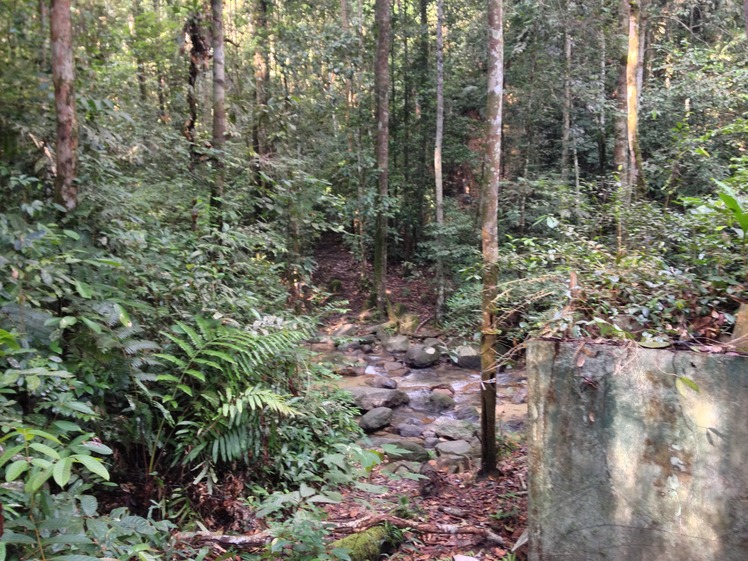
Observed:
{"x":181,"y":343}
{"x":197,"y":341}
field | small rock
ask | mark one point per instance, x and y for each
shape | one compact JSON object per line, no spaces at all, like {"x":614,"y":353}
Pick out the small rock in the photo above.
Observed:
{"x":350,"y":371}
{"x":381,"y":382}
{"x":410,"y":431}
{"x":441,"y":401}
{"x":368,"y":398}
{"x":468,"y":357}
{"x":520,"y":396}
{"x":467,"y":413}
{"x":454,"y":447}
{"x":400,"y":372}
{"x":436,"y":343}
{"x":349,"y":346}
{"x":409,"y":450}
{"x":376,"y":419}
{"x":396,"y":344}
{"x":367,"y":349}
{"x":324,"y":345}
{"x":431,"y":442}
{"x":443,"y":390}
{"x":453,"y":429}
{"x":420,"y":356}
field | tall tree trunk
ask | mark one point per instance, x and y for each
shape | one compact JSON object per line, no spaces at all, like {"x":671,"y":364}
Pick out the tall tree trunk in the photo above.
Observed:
{"x":63,"y":76}
{"x":566,"y":112}
{"x":601,"y":136}
{"x":43,"y":22}
{"x":219,"y":111}
{"x":489,"y":234}
{"x":634,"y":77}
{"x":198,"y":54}
{"x":160,"y":80}
{"x":262,"y":79}
{"x":381,"y":90}
{"x":137,"y":11}
{"x":439,"y":195}
{"x":620,"y":149}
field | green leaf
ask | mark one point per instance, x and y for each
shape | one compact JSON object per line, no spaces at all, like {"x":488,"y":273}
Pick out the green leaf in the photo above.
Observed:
{"x":654,"y":344}
{"x":75,"y":558}
{"x":2,"y":551}
{"x":68,"y":321}
{"x":62,"y":470}
{"x":15,"y":470}
{"x":687,"y":382}
{"x":36,"y":481}
{"x":122,"y":315}
{"x":72,"y":235}
{"x":89,"y":504}
{"x":92,"y":325}
{"x":83,"y":289}
{"x":98,"y":447}
{"x":93,"y":465}
{"x":44,"y":449}
{"x":9,"y":453}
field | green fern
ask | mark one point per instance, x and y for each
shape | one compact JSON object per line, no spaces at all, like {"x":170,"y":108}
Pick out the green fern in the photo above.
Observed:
{"x":222,"y":389}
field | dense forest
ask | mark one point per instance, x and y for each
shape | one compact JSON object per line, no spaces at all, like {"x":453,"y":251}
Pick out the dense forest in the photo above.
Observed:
{"x":169,"y":169}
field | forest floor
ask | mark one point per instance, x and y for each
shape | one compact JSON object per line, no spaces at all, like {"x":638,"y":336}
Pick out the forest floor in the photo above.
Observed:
{"x":463,"y":503}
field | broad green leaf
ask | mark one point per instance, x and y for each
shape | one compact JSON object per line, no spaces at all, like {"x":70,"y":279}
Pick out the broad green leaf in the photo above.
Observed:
{"x":68,"y":539}
{"x":15,"y":470}
{"x":68,"y":321}
{"x":62,"y":470}
{"x":123,"y":316}
{"x":72,"y":235}
{"x":687,"y":382}
{"x":9,"y":453}
{"x":89,"y":504}
{"x":93,"y":465}
{"x":98,"y":447}
{"x":44,"y":449}
{"x":83,"y":289}
{"x":92,"y":325}
{"x":36,"y":481}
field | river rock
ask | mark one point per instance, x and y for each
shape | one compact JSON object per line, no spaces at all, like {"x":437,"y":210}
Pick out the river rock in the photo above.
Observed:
{"x":468,"y":356}
{"x":345,"y":330}
{"x":323,"y":345}
{"x":396,"y":343}
{"x":436,"y":343}
{"x":376,"y":419}
{"x":454,"y":429}
{"x":430,"y":442}
{"x":520,"y":396}
{"x":467,"y":413}
{"x":411,"y":431}
{"x":441,"y":401}
{"x":381,"y":382}
{"x":454,"y":447}
{"x":420,"y":356}
{"x":409,"y":450}
{"x":368,"y":398}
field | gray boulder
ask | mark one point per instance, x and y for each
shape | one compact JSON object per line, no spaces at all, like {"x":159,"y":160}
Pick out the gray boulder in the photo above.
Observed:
{"x":421,"y":356}
{"x":467,"y":413}
{"x":368,"y":398}
{"x":409,"y":450}
{"x":440,"y":401}
{"x":454,"y":429}
{"x":396,"y":343}
{"x":376,"y":419}
{"x":409,"y":430}
{"x":454,"y":447}
{"x":381,"y":382}
{"x":468,"y":356}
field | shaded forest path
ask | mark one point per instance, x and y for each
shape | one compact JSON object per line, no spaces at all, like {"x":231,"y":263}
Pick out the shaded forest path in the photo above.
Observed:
{"x":460,"y":501}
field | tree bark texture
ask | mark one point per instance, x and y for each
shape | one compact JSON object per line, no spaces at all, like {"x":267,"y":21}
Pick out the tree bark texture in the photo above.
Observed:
{"x":63,"y":76}
{"x":620,"y":149}
{"x":43,"y":23}
{"x":219,"y":109}
{"x":632,"y":94}
{"x":381,"y":91}
{"x":260,"y":141}
{"x":489,"y":234}
{"x":198,"y":55}
{"x":566,"y":112}
{"x":439,"y":194}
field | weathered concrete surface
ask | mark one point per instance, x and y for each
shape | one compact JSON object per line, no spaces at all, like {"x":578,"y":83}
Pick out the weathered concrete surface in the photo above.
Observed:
{"x":628,"y":465}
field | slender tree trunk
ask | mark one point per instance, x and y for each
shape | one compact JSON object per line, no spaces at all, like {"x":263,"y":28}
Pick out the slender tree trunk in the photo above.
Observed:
{"x":439,"y":195}
{"x":745,"y":16}
{"x":361,"y":191}
{"x":198,"y":53}
{"x":63,"y":76}
{"x":219,"y":111}
{"x":489,"y":234}
{"x":566,"y":113}
{"x":43,"y":22}
{"x":137,"y":11}
{"x":381,"y":87}
{"x":262,"y":79}
{"x":160,"y":80}
{"x":601,"y":136}
{"x":633,"y":88}
{"x":620,"y":149}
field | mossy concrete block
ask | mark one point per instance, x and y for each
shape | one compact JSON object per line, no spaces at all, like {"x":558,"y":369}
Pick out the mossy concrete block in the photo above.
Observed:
{"x":627,"y":462}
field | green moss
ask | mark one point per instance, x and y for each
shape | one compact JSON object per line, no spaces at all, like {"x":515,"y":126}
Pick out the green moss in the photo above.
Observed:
{"x":364,"y":546}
